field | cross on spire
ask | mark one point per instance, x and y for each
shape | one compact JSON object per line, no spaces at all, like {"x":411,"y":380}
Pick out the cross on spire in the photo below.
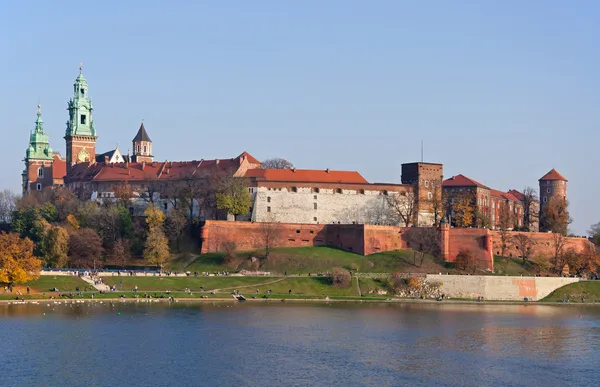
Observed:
{"x":80,"y":67}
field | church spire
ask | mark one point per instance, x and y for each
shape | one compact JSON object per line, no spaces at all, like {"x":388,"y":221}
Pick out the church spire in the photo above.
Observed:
{"x":39,"y":145}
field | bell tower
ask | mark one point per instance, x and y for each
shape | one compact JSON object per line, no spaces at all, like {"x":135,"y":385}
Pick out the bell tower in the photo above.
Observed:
{"x":80,"y":135}
{"x":142,"y":146}
{"x":38,"y":159}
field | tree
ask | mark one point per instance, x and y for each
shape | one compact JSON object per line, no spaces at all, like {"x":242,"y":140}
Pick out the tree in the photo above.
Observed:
{"x":558,"y":245}
{"x":555,"y":216}
{"x":339,"y":277}
{"x":112,"y":223}
{"x":524,"y":244}
{"x":437,"y":202}
{"x":530,"y":208}
{"x":85,"y":248}
{"x":56,"y":247}
{"x":464,"y":259}
{"x":7,"y":205}
{"x":123,"y":193}
{"x":234,"y":197}
{"x":277,"y":163}
{"x":120,"y":252}
{"x":505,"y":222}
{"x":594,"y":232}
{"x":461,"y":209}
{"x":403,"y":206}
{"x":269,"y":234}
{"x":156,"y":249}
{"x":423,"y":241}
{"x":174,"y":226}
{"x":482,"y":219}
{"x":17,"y":262}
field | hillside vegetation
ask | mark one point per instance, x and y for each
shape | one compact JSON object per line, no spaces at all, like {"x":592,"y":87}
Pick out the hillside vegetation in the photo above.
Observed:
{"x":584,"y":291}
{"x":304,"y":260}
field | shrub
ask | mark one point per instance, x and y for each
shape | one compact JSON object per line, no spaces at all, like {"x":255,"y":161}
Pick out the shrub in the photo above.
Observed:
{"x":415,"y":283}
{"x":464,"y":259}
{"x":228,"y":248}
{"x":339,"y":277}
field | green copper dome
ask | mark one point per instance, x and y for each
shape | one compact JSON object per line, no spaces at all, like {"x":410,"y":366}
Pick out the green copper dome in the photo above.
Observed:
{"x":39,"y":144}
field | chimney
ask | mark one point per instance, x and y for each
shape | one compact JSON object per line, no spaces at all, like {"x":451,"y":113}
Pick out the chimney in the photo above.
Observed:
{"x":293,"y":169}
{"x":106,"y":159}
{"x":143,"y":165}
{"x":327,"y":170}
{"x":217,"y":161}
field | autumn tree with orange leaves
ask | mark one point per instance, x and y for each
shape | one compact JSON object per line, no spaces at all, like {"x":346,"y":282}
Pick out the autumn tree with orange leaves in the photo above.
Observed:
{"x":17,"y":262}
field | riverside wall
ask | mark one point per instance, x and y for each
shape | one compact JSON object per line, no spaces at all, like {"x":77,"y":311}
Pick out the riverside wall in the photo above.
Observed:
{"x":370,"y":239}
{"x":501,"y":288}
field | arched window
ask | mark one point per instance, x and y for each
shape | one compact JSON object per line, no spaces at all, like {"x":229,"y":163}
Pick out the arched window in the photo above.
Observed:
{"x":338,"y":190}
{"x":426,"y":183}
{"x":362,"y":192}
{"x":315,"y":190}
{"x":144,"y":148}
{"x":39,"y":187}
{"x":385,"y":193}
{"x":294,"y":189}
{"x":40,"y":172}
{"x":429,"y":195}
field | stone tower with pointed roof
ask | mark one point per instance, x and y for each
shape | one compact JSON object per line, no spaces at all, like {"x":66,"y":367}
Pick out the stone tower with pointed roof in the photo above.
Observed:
{"x":80,"y":135}
{"x":38,"y":158}
{"x":142,"y":146}
{"x":553,"y":185}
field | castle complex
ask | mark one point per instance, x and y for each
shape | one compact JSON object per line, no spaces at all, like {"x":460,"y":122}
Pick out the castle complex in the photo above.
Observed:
{"x":278,"y":195}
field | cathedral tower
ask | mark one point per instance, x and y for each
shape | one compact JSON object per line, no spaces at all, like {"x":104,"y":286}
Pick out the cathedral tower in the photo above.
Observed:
{"x":142,"y":146}
{"x":80,"y":135}
{"x":38,"y":159}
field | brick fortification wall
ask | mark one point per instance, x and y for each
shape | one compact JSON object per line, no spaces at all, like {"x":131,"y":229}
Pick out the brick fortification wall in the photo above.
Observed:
{"x":369,"y":239}
{"x":542,"y":244}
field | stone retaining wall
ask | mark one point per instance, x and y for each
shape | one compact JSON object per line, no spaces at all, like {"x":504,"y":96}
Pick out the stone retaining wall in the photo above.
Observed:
{"x":498,"y":287}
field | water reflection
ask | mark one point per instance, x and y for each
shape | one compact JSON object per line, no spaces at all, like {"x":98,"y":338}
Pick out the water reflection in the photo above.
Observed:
{"x":280,"y":344}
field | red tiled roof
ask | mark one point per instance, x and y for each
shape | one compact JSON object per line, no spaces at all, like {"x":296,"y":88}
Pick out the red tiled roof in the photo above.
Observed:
{"x":59,"y":167}
{"x":249,"y":157}
{"x":504,"y":195}
{"x":307,"y":176}
{"x":553,"y":175}
{"x":166,"y":170}
{"x":517,"y":194}
{"x":462,"y":181}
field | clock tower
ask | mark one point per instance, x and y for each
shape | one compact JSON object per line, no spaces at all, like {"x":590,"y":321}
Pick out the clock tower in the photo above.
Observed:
{"x":80,"y":135}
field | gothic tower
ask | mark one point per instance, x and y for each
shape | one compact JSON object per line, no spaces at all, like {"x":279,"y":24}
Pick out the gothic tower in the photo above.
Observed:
{"x":38,"y":159}
{"x":142,"y":146}
{"x":80,"y":135}
{"x":553,"y":185}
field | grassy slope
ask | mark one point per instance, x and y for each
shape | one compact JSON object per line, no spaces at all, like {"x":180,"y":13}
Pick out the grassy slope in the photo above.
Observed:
{"x":304,"y":260}
{"x":589,"y":290}
{"x":63,"y":283}
{"x":513,"y":266}
{"x":180,"y":283}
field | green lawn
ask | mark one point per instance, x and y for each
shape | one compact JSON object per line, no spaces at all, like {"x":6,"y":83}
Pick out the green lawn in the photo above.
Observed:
{"x":304,"y":260}
{"x":589,"y":290}
{"x":63,"y":283}
{"x":180,"y":283}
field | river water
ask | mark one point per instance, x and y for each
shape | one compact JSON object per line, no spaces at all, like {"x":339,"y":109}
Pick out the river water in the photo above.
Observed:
{"x":277,"y":344}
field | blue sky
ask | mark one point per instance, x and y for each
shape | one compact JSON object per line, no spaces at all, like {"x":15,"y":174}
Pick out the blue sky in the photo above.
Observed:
{"x":500,"y":91}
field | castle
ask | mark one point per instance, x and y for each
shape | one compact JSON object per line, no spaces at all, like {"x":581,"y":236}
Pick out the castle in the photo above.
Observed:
{"x":278,"y":195}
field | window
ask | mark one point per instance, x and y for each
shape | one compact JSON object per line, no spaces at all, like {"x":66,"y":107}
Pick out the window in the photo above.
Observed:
{"x":338,"y":190}
{"x":315,"y":190}
{"x":315,"y":219}
{"x":385,"y":192}
{"x":429,"y":195}
{"x":294,"y":189}
{"x":40,"y":172}
{"x":39,"y":187}
{"x":268,"y":209}
{"x":362,"y":192}
{"x":138,"y":149}
{"x":166,"y":206}
{"x":83,"y":119}
{"x":426,"y":183}
{"x":545,"y":199}
{"x":315,"y":205}
{"x":315,"y":197}
{"x":144,"y":148}
{"x":268,"y":199}
{"x":297,"y":231}
{"x":82,"y":91}
{"x":548,"y":190}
